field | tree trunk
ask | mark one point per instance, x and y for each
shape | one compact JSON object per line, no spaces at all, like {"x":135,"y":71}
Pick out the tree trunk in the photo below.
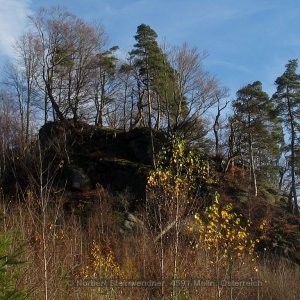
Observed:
{"x":157,"y":125}
{"x":293,"y":160}
{"x":28,"y":104}
{"x":294,"y":191}
{"x":150,"y":126}
{"x":216,"y":127}
{"x":124,"y":106}
{"x":252,"y":168}
{"x":46,"y":109}
{"x":54,"y":104}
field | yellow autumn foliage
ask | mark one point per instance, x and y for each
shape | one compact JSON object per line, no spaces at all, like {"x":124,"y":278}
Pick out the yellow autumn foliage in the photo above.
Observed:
{"x":221,"y":232}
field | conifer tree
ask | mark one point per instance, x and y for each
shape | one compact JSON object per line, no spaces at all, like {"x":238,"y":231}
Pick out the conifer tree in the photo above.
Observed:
{"x":260,"y":136}
{"x":152,"y":67}
{"x":287,"y":98}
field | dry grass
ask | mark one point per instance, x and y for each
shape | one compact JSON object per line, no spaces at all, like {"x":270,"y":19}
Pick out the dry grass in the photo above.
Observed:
{"x":69,"y":241}
{"x":280,"y":279}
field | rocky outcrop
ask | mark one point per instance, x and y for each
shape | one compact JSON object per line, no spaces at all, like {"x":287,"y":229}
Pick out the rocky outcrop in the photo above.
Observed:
{"x":117,"y":159}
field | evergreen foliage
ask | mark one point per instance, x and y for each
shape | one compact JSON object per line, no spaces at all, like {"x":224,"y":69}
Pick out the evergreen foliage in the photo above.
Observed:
{"x":287,"y":99}
{"x":260,"y":135}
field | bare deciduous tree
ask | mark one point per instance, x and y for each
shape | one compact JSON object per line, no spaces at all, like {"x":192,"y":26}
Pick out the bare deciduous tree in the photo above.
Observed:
{"x":66,"y":48}
{"x":194,"y":89}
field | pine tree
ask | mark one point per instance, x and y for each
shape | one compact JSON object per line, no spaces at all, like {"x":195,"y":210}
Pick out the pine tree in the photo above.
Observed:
{"x":259,"y":132}
{"x":287,"y":98}
{"x":152,"y":67}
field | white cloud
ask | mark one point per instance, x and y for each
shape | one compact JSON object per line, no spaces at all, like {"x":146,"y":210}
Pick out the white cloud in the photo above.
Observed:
{"x":13,"y":18}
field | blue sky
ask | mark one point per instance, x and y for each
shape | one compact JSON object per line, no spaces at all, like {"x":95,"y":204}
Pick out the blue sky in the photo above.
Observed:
{"x":246,"y":40}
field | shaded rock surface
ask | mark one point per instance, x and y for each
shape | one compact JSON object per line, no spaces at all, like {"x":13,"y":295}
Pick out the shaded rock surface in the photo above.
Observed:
{"x":78,"y":179}
{"x":117,"y":159}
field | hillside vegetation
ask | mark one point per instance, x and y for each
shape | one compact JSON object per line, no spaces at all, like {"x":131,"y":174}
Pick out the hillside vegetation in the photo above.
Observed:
{"x":138,"y":178}
{"x":89,"y":204}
